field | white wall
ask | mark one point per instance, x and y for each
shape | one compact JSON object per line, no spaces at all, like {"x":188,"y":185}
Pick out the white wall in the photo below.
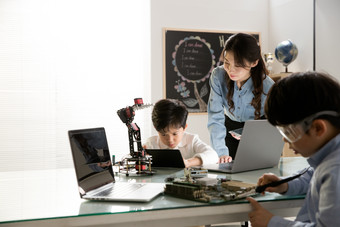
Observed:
{"x":69,"y":64}
{"x":292,"y":19}
{"x":276,"y":20}
{"x":56,"y":56}
{"x":327,"y":36}
{"x":223,"y":15}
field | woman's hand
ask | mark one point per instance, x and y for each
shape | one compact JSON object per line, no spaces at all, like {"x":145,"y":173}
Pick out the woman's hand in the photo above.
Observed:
{"x":268,"y":178}
{"x":225,"y":159}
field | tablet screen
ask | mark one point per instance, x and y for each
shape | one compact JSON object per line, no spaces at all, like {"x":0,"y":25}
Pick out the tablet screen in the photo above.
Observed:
{"x":166,"y":158}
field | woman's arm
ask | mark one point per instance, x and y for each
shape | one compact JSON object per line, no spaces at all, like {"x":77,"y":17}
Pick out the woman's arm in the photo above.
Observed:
{"x":216,"y":118}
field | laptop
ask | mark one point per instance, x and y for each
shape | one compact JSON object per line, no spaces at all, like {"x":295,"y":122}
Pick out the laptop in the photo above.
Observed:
{"x":166,"y":158}
{"x":260,"y":147}
{"x":93,"y":167}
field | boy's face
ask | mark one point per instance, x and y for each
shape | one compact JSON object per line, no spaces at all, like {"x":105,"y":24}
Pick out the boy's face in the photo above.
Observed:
{"x":171,"y":136}
{"x":319,"y":133}
{"x":305,"y":146}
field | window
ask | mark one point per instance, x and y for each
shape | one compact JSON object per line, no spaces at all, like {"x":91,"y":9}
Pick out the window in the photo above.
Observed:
{"x":69,"y":64}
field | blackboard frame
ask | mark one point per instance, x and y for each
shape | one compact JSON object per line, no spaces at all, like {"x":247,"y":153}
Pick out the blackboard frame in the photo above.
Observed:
{"x":194,"y":93}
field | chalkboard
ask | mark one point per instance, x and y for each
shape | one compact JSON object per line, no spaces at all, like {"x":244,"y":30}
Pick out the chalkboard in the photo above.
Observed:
{"x":190,"y":56}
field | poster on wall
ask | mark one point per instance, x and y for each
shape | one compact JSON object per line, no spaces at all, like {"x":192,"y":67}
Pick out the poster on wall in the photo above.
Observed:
{"x":189,"y":58}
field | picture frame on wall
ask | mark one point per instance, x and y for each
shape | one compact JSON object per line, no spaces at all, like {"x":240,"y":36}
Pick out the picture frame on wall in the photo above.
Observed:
{"x":189,"y":58}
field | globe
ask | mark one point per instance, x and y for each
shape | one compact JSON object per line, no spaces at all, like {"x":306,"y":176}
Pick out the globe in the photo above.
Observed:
{"x":286,"y":52}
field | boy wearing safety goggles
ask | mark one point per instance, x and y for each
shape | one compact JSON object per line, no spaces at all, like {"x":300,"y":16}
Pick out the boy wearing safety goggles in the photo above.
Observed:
{"x":305,"y":108}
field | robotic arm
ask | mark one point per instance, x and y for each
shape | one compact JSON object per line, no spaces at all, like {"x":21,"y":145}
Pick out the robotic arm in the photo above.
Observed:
{"x":127,"y":115}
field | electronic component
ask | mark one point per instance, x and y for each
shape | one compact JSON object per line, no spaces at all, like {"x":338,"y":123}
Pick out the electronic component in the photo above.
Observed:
{"x":207,"y":181}
{"x":198,"y":172}
{"x":213,"y":190}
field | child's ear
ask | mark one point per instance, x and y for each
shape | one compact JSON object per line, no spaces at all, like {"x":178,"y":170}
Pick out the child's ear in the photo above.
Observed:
{"x":186,"y":125}
{"x":319,"y":126}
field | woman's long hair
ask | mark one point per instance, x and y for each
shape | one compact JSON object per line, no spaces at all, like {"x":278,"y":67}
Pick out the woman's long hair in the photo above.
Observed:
{"x":245,"y":48}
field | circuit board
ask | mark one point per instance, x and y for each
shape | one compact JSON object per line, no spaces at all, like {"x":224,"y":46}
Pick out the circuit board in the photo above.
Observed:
{"x":210,"y":190}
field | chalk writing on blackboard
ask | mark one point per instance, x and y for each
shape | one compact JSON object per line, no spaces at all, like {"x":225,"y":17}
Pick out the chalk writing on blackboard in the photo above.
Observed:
{"x":193,"y":60}
{"x":190,"y":57}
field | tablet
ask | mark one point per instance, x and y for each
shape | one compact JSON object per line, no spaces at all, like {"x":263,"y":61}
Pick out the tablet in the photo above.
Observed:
{"x":236,"y":133}
{"x":166,"y":158}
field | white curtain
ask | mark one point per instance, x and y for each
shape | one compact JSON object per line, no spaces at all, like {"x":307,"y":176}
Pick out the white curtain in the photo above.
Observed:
{"x":69,"y":64}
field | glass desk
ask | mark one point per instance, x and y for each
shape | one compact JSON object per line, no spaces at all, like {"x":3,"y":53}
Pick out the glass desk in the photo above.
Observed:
{"x":50,"y":198}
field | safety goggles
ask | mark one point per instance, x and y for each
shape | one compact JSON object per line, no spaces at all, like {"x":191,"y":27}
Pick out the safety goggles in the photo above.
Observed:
{"x":294,"y":132}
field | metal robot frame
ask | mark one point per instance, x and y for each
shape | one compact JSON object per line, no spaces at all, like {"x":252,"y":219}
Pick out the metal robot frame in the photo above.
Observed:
{"x":138,"y":158}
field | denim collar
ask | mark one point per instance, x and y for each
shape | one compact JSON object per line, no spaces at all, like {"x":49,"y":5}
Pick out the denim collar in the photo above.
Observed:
{"x":248,"y":85}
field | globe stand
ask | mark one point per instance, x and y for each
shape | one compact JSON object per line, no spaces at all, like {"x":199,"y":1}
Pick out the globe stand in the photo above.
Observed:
{"x":286,"y":69}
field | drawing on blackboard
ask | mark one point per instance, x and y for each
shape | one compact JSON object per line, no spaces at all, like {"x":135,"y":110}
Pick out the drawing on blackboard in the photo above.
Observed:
{"x":188,"y":64}
{"x":190,"y":57}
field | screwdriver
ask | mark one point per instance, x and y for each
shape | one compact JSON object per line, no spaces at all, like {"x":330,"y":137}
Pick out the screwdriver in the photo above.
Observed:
{"x":261,"y":188}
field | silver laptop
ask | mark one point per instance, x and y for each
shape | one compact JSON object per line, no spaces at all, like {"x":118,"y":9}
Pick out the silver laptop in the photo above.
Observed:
{"x":93,"y":166}
{"x":260,"y":147}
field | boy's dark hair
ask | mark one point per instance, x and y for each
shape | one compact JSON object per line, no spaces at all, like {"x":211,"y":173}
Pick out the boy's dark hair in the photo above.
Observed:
{"x":300,"y":95}
{"x":167,"y":113}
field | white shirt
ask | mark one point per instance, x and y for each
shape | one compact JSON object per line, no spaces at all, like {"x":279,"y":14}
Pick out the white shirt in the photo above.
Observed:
{"x":190,"y":146}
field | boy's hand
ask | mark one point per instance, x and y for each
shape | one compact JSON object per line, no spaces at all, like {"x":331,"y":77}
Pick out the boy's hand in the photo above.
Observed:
{"x":268,"y":178}
{"x":225,"y":159}
{"x":186,"y":163}
{"x":259,"y":216}
{"x":195,"y":161}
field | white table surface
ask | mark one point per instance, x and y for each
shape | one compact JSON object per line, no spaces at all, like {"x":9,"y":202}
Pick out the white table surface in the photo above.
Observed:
{"x":50,"y":198}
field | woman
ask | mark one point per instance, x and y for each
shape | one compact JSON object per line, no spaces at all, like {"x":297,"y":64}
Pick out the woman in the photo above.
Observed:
{"x":238,"y":90}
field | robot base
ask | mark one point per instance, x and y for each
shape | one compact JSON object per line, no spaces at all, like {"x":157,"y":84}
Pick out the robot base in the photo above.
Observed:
{"x":136,"y":166}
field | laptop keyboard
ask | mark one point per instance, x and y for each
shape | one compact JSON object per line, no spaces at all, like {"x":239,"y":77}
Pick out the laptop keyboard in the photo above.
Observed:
{"x":120,"y":190}
{"x":228,"y":165}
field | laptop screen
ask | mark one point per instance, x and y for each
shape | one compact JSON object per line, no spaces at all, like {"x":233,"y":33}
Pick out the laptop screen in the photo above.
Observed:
{"x":91,"y":158}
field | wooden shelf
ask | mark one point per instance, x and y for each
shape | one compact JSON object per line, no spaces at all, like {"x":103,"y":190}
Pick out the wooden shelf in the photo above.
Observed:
{"x":278,"y":76}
